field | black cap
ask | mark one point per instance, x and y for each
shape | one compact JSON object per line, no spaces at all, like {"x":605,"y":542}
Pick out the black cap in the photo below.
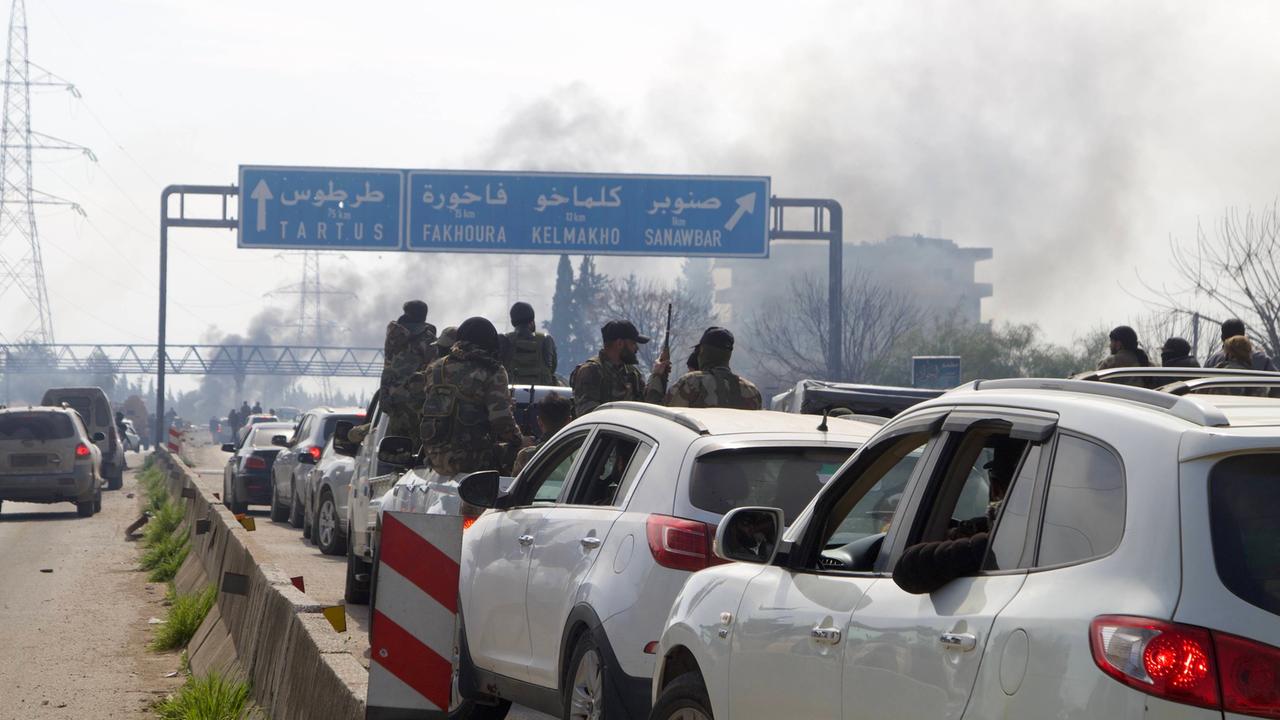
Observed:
{"x":1176,"y":346}
{"x":415,"y":311}
{"x":1232,"y":327}
{"x":480,"y":332}
{"x":521,"y":312}
{"x":717,"y":337}
{"x":621,"y":330}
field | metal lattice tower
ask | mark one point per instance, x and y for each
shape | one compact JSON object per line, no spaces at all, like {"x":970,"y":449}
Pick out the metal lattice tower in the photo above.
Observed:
{"x":21,"y":264}
{"x":310,"y":322}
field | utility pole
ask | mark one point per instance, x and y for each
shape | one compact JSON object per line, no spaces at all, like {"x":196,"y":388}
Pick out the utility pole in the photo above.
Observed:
{"x":21,"y":263}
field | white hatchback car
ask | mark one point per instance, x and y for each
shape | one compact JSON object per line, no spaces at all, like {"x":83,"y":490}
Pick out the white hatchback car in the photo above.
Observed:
{"x":566,"y":582}
{"x":1130,"y":568}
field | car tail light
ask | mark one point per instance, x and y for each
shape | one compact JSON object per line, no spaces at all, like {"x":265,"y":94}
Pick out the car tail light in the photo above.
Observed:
{"x":1250,"y":673}
{"x":1164,"y":659}
{"x":82,"y":450}
{"x":468,"y":521}
{"x":253,"y":462}
{"x":315,"y":452}
{"x":678,"y":543}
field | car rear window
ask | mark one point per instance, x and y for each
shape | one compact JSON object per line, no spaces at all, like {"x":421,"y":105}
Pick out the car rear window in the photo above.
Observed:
{"x":261,"y":436}
{"x":36,"y":426}
{"x":785,"y":478}
{"x":1244,"y":518}
{"x":331,"y":422}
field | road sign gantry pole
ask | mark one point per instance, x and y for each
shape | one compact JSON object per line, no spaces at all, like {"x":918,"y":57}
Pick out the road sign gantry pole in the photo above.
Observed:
{"x":226,"y":192}
{"x":828,"y":226}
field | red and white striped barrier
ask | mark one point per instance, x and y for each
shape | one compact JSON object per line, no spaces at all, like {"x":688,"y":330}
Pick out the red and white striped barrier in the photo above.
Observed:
{"x":415,"y":618}
{"x":175,"y":440}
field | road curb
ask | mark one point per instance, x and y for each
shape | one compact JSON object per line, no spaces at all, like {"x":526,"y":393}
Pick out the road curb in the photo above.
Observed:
{"x":298,"y":665}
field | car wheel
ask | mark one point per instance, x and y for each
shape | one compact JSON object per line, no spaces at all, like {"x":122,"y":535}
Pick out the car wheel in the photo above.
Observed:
{"x":307,"y":524}
{"x":356,"y":591}
{"x":473,"y":710}
{"x":84,"y":508}
{"x":328,"y":529}
{"x":584,"y":693}
{"x":278,"y":511}
{"x":115,"y":479}
{"x":373,"y":584}
{"x":97,"y":502}
{"x":295,"y":509}
{"x":684,"y":698}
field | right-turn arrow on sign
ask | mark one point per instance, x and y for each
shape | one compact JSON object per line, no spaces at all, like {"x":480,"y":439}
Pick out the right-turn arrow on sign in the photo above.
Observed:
{"x":746,"y":204}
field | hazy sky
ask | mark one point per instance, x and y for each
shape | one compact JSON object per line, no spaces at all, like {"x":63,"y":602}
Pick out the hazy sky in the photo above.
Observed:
{"x":1074,"y":138}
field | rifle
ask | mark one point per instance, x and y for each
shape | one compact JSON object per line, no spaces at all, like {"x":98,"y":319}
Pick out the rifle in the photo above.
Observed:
{"x":666,"y":340}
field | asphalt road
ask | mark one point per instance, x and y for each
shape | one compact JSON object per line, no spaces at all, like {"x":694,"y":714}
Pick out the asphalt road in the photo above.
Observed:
{"x":323,"y":575}
{"x":74,"y":612}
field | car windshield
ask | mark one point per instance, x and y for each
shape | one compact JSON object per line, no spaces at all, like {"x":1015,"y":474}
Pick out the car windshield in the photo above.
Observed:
{"x":36,"y":426}
{"x":262,"y":434}
{"x":332,"y":421}
{"x":781,"y":477}
{"x":1244,"y":518}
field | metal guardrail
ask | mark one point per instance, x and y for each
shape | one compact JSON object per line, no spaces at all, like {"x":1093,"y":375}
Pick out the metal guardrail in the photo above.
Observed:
{"x":284,"y":360}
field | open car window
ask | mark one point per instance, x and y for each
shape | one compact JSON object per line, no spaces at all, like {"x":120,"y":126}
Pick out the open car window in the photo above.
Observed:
{"x":546,"y":480}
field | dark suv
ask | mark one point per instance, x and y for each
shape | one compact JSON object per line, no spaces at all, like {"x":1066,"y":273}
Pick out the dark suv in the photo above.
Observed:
{"x":299,"y":454}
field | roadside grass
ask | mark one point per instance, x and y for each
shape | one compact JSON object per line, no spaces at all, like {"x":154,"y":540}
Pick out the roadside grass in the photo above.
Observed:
{"x":184,"y":618}
{"x":211,"y":697}
{"x":166,"y":548}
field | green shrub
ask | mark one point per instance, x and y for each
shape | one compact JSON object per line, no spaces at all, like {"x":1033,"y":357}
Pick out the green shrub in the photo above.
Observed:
{"x":163,"y":522}
{"x":211,"y":697}
{"x":168,"y":568}
{"x":163,"y":548}
{"x":184,"y":618}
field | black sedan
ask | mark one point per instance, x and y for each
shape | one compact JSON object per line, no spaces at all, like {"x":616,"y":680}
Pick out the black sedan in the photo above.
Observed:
{"x":246,"y":479}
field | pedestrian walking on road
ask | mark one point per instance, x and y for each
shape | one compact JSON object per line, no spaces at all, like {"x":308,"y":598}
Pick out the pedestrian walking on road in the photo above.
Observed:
{"x":714,"y":384}
{"x":257,"y":407}
{"x":245,"y":412}
{"x":1176,"y":352}
{"x":612,"y":375}
{"x":467,"y":412}
{"x":1235,"y":327}
{"x":528,"y":355}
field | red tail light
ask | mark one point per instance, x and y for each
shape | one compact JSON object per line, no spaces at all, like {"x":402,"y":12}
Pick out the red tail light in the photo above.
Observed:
{"x":1189,"y":664}
{"x":468,"y":521}
{"x":680,"y":544}
{"x":82,"y":450}
{"x":315,"y":452}
{"x":253,"y":462}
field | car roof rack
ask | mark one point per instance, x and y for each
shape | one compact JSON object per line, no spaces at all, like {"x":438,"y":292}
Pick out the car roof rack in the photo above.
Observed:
{"x":1176,"y":405}
{"x":1159,"y":373}
{"x":1195,"y":385}
{"x":660,"y":411}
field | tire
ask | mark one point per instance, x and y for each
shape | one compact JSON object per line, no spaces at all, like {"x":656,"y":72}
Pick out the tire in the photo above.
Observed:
{"x":278,"y":511}
{"x":97,"y":502}
{"x":684,"y":698}
{"x":373,"y":585}
{"x":356,"y":592}
{"x":115,"y":479}
{"x":295,"y":509}
{"x":584,"y":686}
{"x":306,"y":527}
{"x":328,"y":529}
{"x":84,"y":508}
{"x":472,"y":710}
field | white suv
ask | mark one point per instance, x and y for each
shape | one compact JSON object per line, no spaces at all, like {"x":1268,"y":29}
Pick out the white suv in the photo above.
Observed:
{"x":1127,"y":565}
{"x":565,"y":583}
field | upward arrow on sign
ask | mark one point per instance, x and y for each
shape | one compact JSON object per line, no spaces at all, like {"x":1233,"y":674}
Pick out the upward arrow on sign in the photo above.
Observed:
{"x":746,"y":204}
{"x":262,"y":194}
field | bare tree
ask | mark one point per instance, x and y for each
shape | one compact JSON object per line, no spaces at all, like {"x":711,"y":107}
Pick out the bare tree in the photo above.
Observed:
{"x":791,"y":336}
{"x":644,"y":303}
{"x":1232,"y":272}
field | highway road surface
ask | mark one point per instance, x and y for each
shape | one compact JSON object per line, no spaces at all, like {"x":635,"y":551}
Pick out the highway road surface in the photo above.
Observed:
{"x":323,"y":575}
{"x":74,"y":611}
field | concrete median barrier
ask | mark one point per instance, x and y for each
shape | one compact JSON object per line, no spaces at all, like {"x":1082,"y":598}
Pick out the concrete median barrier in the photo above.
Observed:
{"x":272,"y":634}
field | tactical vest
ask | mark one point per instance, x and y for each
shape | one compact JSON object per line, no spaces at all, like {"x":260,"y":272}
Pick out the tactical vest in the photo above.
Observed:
{"x":452,"y":419}
{"x":526,"y":359}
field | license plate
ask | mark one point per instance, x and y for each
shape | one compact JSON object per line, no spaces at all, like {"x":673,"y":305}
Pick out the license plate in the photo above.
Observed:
{"x":28,"y":461}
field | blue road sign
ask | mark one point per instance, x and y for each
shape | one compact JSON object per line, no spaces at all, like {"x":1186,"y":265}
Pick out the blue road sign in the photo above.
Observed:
{"x":321,"y":208}
{"x":587,"y":213}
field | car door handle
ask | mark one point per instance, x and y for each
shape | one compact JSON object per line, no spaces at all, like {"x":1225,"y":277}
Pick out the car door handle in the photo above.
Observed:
{"x":963,"y":642}
{"x":591,"y":542}
{"x":828,"y":635}
{"x":525,"y":540}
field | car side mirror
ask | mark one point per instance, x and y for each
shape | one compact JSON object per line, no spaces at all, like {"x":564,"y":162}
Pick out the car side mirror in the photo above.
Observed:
{"x":396,"y":450}
{"x":228,"y":447}
{"x":480,"y":489}
{"x":98,"y":437}
{"x":280,"y":440}
{"x":749,"y":534}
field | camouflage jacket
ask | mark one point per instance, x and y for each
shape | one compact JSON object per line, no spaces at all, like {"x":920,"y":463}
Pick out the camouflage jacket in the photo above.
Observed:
{"x":598,"y":381}
{"x":716,"y":387}
{"x":409,"y":349}
{"x":467,"y":411}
